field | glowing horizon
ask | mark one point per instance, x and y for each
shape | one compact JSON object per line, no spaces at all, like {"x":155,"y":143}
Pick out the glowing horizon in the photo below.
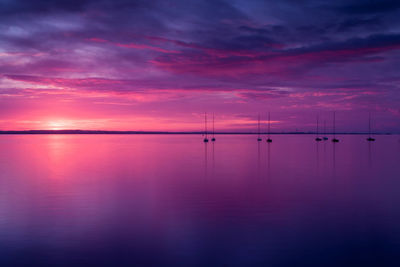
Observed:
{"x":116,"y":65}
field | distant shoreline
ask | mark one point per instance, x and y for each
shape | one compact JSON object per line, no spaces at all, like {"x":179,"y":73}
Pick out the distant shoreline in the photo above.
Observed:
{"x":32,"y":132}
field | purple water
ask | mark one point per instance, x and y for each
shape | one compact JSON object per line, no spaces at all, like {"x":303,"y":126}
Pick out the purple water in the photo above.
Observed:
{"x":171,"y":200}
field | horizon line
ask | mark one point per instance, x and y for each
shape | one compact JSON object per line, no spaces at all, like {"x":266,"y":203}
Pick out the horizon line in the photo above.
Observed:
{"x":77,"y":131}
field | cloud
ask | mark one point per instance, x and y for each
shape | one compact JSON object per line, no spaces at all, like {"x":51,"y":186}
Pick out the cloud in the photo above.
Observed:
{"x":370,"y":7}
{"x":279,"y":62}
{"x":213,"y":54}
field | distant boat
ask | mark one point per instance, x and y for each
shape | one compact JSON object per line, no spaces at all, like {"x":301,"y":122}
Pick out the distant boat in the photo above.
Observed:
{"x":269,"y":140}
{"x":369,"y":129}
{"x":334,"y":128}
{"x":325,"y":138}
{"x":213,"y":132}
{"x":205,"y":127}
{"x":259,"y":137}
{"x":318,"y":138}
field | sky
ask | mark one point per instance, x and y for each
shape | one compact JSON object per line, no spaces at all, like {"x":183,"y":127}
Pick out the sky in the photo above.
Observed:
{"x":159,"y":65}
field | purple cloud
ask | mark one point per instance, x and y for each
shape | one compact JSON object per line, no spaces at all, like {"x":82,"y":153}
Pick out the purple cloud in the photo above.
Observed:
{"x":173,"y":59}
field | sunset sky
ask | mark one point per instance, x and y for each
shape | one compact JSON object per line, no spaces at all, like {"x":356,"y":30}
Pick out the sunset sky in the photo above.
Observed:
{"x":159,"y":65}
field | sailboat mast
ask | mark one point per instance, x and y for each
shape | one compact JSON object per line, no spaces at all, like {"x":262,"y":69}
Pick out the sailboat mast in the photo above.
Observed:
{"x":213,"y":126}
{"x":269,"y":123}
{"x":317,"y":125}
{"x":258,"y":125}
{"x":205,"y":124}
{"x":369,"y":124}
{"x":334,"y":124}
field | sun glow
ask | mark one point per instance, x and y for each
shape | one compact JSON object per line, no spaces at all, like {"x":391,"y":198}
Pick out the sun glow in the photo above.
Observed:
{"x":59,"y":125}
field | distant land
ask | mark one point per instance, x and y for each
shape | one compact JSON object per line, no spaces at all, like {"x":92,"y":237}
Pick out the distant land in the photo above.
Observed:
{"x":164,"y":132}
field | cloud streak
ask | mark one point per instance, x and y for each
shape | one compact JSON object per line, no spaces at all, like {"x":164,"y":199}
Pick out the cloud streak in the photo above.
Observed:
{"x":175,"y":58}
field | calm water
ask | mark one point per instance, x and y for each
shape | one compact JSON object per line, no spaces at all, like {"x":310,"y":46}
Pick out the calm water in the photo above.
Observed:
{"x":170,"y":200}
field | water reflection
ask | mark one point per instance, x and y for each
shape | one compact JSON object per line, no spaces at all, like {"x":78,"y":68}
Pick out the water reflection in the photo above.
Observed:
{"x":213,"y":158}
{"x":334,"y":159}
{"x":258,"y":159}
{"x":369,"y":154}
{"x":268,"y":172}
{"x":263,"y":160}
{"x":205,"y":159}
{"x":207,"y":170}
{"x":142,"y":201}
{"x":317,"y":156}
{"x":325,"y":160}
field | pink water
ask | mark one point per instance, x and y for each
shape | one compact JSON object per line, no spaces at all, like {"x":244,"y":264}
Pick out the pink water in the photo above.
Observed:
{"x":171,"y":200}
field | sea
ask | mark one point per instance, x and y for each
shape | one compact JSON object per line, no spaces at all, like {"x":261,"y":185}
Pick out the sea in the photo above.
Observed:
{"x":173,"y":200}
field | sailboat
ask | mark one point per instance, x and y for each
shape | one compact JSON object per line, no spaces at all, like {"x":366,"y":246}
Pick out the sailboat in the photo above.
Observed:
{"x":205,"y":127}
{"x":334,"y":128}
{"x":259,"y":137}
{"x":213,"y":132}
{"x":369,"y":129}
{"x":318,"y":138}
{"x":325,"y":138}
{"x":269,"y":140}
